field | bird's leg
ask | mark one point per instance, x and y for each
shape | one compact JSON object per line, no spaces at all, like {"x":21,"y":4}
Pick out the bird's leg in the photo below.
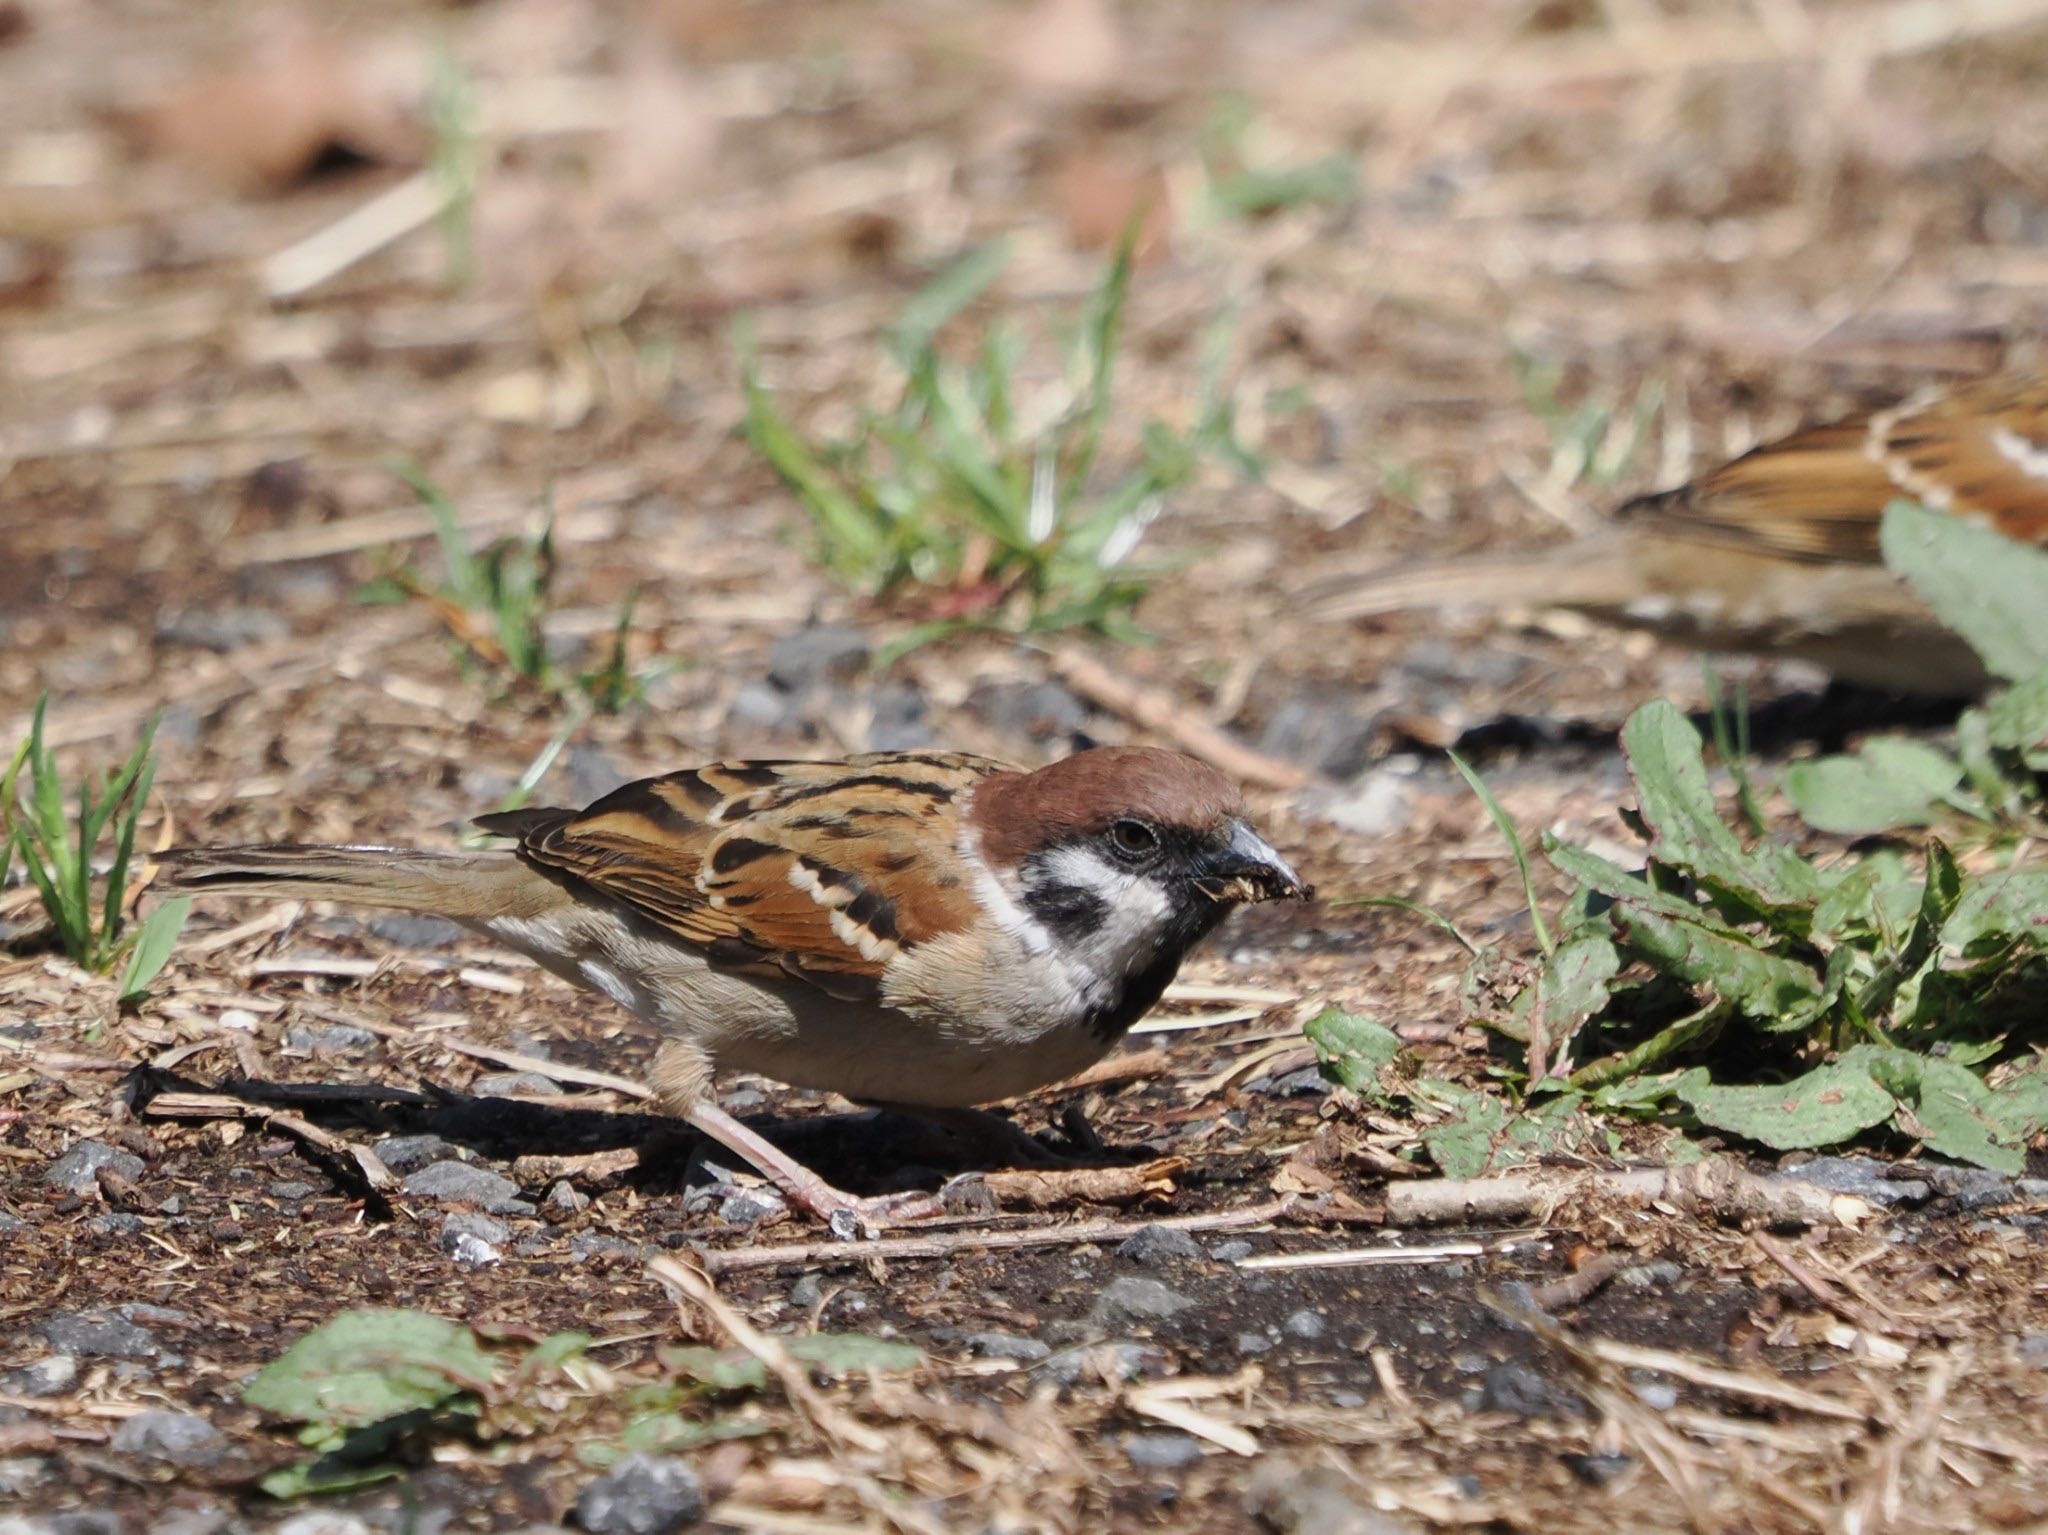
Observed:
{"x":805,"y":1188}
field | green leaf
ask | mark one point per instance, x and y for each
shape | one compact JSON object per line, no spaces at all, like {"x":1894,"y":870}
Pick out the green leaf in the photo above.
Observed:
{"x":369,"y":1365}
{"x":1997,"y":911}
{"x":1619,"y":884}
{"x":154,"y":941}
{"x":1670,"y":772}
{"x":720,"y":1369}
{"x":1890,"y":783}
{"x":1954,"y":1114}
{"x":847,"y":1353}
{"x":1461,"y":1143}
{"x":2017,"y":717}
{"x":1352,"y":1050}
{"x":943,"y":298}
{"x":1513,"y":838}
{"x":1574,"y":982}
{"x":1777,"y":992}
{"x":325,"y":1474}
{"x":1878,"y":895}
{"x":1991,"y":590}
{"x":1826,"y":1106}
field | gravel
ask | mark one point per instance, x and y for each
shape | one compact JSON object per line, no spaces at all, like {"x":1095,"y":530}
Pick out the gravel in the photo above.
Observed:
{"x":96,"y":1335}
{"x":1005,"y":1345}
{"x":642,"y":1495}
{"x":333,"y":1038}
{"x":180,"y":1438}
{"x":1158,"y":1244}
{"x":1130,"y":1299}
{"x":462,"y":1183}
{"x":78,"y":1170}
{"x":1162,"y":1451}
{"x":409,"y":1153}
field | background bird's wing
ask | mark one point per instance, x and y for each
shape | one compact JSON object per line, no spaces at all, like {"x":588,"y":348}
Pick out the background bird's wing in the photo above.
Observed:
{"x":819,"y":870}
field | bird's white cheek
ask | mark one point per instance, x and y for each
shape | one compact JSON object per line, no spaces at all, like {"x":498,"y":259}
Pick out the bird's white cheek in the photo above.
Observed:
{"x":1135,"y":911}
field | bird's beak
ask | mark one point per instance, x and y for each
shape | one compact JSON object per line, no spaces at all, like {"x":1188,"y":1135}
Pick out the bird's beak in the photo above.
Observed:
{"x":1246,"y":868}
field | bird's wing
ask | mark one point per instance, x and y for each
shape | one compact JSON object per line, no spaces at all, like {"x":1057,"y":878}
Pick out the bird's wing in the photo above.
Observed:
{"x":823,"y":871}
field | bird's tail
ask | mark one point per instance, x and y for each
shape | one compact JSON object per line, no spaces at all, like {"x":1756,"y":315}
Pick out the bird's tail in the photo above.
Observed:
{"x":465,"y":886}
{"x":1594,"y":573}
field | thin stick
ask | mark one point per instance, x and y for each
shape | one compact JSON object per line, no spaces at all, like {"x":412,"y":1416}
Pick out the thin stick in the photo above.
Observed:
{"x":733,"y":1260}
{"x":359,"y":234}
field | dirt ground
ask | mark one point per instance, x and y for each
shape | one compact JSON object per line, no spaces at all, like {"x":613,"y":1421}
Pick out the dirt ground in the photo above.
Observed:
{"x":1767,"y":210}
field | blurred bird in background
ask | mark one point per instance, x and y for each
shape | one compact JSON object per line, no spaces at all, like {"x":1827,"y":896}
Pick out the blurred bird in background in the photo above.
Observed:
{"x":1777,"y":553}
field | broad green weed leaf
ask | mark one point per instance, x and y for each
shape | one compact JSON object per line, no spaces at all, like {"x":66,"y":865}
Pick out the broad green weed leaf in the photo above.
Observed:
{"x":1352,"y":1050}
{"x":369,"y":1365}
{"x":1575,"y":981}
{"x":1774,"y":991}
{"x":1889,"y":784}
{"x":1618,"y":884}
{"x":2017,"y":718}
{"x":1670,"y":772}
{"x":1825,"y":1107}
{"x":1461,"y":1143}
{"x":1991,"y":590}
{"x":844,"y":1353}
{"x":1998,"y":910}
{"x":1879,"y":895}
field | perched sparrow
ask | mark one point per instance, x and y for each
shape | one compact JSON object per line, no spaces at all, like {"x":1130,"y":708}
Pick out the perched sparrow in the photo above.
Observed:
{"x":923,"y":929}
{"x":1777,"y":552}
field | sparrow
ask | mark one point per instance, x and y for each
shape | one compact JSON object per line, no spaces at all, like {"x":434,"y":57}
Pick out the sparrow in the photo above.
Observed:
{"x":1777,"y":552}
{"x":927,"y":930}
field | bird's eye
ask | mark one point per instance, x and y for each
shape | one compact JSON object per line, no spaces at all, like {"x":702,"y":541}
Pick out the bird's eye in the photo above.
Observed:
{"x":1133,"y":839}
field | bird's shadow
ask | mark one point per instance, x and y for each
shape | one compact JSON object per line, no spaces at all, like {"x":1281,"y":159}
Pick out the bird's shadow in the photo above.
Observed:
{"x":870,"y":1151}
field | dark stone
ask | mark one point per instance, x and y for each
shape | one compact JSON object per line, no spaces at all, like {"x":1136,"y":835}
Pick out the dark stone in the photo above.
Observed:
{"x":1158,"y":1244}
{"x":1972,"y":1188}
{"x":1252,"y":1344}
{"x":896,"y":719}
{"x":1517,"y":1389}
{"x":52,"y":1375}
{"x":1035,"y":711}
{"x":1599,"y":1470}
{"x":78,"y":1169}
{"x":1118,"y":1361}
{"x":407,"y":931}
{"x":454,"y":1182}
{"x":95,"y":1335}
{"x":1320,"y":728}
{"x":222,"y":629}
{"x":1232,"y":1251}
{"x":410,"y":1153}
{"x":1129,"y":1300}
{"x":823,"y":654}
{"x":1004,"y":1345}
{"x":181,"y":1438}
{"x":1305,"y":1324}
{"x":641,"y":1495}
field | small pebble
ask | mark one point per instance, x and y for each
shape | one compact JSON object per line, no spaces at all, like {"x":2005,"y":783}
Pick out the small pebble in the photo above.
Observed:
{"x":329,"y":1038}
{"x":1305,"y":1324}
{"x":1003,"y":1345}
{"x":180,"y":1438}
{"x":505,"y":1084}
{"x":409,"y":1153}
{"x":95,"y":1335}
{"x":1158,"y":1244}
{"x":642,"y":1495}
{"x":1252,"y":1344}
{"x":1130,"y":1299}
{"x":78,"y":1169}
{"x":1162,"y":1451}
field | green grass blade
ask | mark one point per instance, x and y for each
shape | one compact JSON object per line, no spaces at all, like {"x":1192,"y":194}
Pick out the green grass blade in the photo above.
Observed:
{"x":8,"y":808}
{"x":1506,"y":827}
{"x":942,"y":299}
{"x":467,"y":582}
{"x":1101,"y":331}
{"x":151,"y":950}
{"x":46,"y":810}
{"x":857,"y":543}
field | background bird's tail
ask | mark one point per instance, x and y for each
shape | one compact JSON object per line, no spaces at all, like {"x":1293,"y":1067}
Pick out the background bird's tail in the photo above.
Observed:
{"x":1594,"y":572}
{"x":466,"y":886}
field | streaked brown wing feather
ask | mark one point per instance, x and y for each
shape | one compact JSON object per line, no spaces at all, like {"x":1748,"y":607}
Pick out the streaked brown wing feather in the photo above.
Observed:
{"x":1979,"y":451}
{"x":1814,"y":495}
{"x":1820,"y":494}
{"x":819,"y":870}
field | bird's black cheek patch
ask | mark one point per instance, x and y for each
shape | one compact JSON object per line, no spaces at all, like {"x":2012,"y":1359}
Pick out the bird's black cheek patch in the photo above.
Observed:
{"x":1067,"y":911}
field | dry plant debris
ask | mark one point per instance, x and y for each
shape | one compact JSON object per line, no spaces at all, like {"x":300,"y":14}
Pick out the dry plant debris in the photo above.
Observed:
{"x":1471,"y":271}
